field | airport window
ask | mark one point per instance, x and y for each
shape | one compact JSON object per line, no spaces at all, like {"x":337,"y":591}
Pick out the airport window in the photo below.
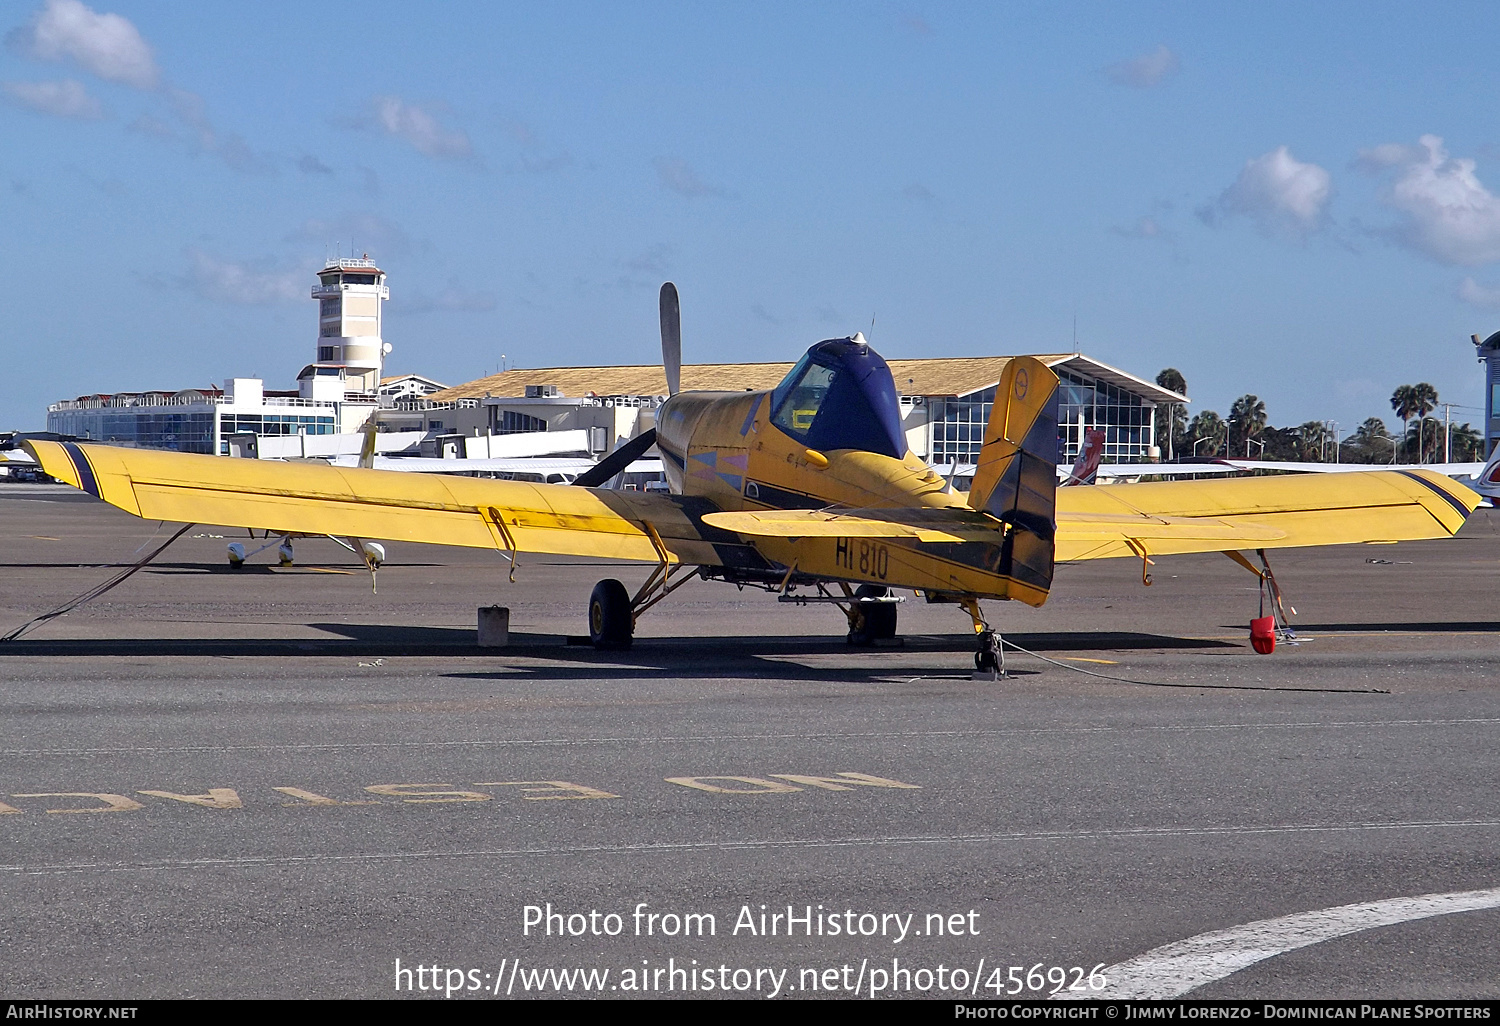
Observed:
{"x":511,"y":423}
{"x":958,"y":426}
{"x":330,"y":330}
{"x":328,"y":307}
{"x":327,"y":353}
{"x":1127,"y":422}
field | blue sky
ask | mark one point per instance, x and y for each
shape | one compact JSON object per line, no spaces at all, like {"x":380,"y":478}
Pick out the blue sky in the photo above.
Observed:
{"x":1288,"y":199}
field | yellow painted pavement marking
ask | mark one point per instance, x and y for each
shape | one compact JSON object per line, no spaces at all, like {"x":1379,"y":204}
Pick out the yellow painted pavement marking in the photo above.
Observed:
{"x":542,"y":786}
{"x":309,"y":799}
{"x":843,"y":784}
{"x":759,"y":785}
{"x":408,"y":793}
{"x":112,"y":802}
{"x":216,"y":798}
{"x":1086,"y":659}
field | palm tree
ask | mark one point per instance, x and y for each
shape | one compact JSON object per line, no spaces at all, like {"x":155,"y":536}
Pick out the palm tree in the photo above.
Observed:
{"x":1208,"y":428}
{"x":1424,"y":400}
{"x":1176,"y":418}
{"x":1468,"y":444}
{"x":1247,"y":419}
{"x":1371,"y":439}
{"x":1312,"y":439}
{"x":1404,"y":402}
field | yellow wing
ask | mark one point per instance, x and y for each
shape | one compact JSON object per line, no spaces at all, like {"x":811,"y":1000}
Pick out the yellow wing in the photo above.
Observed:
{"x":1095,"y":522}
{"x":303,"y":498}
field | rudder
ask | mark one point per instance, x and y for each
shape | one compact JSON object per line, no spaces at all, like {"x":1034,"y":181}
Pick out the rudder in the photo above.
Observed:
{"x":1016,"y":477}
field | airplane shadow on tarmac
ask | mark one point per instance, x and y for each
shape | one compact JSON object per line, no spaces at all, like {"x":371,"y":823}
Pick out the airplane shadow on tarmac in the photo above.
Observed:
{"x":650,"y":657}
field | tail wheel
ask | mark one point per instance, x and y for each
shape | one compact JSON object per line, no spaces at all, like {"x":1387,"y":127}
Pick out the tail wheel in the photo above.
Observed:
{"x":990,"y":657}
{"x":876,"y":621}
{"x":610,"y":624}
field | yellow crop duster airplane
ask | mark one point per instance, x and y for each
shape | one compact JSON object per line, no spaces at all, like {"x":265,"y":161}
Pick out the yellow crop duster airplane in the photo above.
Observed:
{"x":808,"y":486}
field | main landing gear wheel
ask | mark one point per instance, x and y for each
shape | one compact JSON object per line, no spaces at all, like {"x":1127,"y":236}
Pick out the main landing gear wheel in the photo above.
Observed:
{"x":875,"y":621}
{"x":611,"y":625}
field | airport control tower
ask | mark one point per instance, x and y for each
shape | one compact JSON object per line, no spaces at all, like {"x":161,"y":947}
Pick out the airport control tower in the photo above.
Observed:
{"x":349,"y":293}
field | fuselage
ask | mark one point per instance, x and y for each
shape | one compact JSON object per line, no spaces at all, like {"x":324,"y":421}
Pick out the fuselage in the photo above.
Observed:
{"x":740,"y":451}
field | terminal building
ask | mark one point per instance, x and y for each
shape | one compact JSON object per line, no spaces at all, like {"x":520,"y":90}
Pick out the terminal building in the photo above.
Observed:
{"x":585,"y":411}
{"x":945,"y":402}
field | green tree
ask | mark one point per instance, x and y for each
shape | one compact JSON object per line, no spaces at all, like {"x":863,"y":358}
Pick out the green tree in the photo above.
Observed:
{"x":1371,"y":442}
{"x":1424,"y":400}
{"x":1314,"y":442}
{"x":1404,"y":402}
{"x":1468,"y":444}
{"x":1208,"y":429}
{"x":1171,"y":418}
{"x":1247,"y":419}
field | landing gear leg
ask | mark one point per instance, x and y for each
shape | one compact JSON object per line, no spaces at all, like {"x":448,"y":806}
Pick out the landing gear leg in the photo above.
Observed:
{"x":284,"y":551}
{"x":989,"y":657}
{"x":612,"y":612}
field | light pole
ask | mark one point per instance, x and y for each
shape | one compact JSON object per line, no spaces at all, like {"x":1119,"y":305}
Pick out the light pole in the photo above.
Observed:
{"x":1199,"y":442}
{"x":1393,"y":450}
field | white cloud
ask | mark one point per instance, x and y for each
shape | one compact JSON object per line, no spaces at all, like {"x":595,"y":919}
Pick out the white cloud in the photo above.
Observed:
{"x":1282,"y":194}
{"x":1378,"y":158}
{"x":225,"y":281}
{"x":683,"y":180}
{"x":1486,"y":297}
{"x":65,"y":99}
{"x":1145,"y":71}
{"x":105,"y":44}
{"x":412,"y":124}
{"x":1448,"y":214}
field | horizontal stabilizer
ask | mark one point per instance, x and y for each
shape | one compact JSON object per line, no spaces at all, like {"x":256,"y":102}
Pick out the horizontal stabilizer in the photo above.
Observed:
{"x":920,"y":524}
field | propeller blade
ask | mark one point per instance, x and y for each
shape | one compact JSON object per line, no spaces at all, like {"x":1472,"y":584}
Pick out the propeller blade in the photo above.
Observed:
{"x":671,"y":338}
{"x":617,"y":461}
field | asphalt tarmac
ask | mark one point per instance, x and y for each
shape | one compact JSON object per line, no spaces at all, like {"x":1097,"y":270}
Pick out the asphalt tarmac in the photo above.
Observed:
{"x":276,"y":783}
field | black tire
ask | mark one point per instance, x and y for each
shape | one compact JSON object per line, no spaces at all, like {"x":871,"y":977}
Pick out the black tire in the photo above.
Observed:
{"x":877,"y":620}
{"x":610,"y":624}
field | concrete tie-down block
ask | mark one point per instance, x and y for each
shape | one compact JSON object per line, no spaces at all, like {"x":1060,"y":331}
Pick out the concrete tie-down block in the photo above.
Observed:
{"x":494,"y":626}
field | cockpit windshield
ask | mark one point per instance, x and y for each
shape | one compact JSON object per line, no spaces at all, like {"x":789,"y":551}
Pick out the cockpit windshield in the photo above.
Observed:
{"x":841,"y":396}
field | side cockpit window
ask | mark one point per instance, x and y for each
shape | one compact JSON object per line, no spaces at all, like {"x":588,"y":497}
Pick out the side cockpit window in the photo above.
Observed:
{"x":802,"y":397}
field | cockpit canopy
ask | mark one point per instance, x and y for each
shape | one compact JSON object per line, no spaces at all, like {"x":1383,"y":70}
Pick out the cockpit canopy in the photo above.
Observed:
{"x":841,"y":396}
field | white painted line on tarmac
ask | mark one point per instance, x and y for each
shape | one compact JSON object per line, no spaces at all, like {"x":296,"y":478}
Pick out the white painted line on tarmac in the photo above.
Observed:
{"x":670,"y":847}
{"x":1173,"y":970}
{"x":712,"y":738}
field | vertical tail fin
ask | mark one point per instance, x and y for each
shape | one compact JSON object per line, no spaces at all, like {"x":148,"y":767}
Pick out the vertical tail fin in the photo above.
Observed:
{"x":1487,"y":481}
{"x":1086,"y":467}
{"x":1016,"y":479}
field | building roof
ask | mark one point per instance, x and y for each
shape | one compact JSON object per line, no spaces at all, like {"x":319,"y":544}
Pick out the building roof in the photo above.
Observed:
{"x":412,"y":377}
{"x":943,"y":376}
